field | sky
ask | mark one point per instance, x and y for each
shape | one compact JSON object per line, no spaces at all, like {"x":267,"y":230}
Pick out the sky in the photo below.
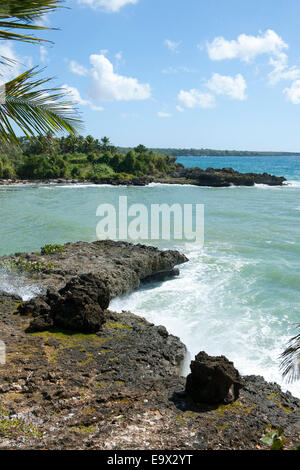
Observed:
{"x":177,"y":73}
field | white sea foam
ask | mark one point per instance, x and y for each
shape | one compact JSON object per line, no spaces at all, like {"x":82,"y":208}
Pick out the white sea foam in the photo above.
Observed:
{"x":207,"y":306}
{"x":77,"y":186}
{"x":293,"y":184}
{"x":153,"y":185}
{"x":15,"y":284}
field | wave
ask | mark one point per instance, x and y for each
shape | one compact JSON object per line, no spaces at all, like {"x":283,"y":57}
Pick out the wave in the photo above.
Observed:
{"x":15,"y":284}
{"x":216,"y":305}
{"x":153,"y":185}
{"x":76,"y":186}
{"x":293,"y":184}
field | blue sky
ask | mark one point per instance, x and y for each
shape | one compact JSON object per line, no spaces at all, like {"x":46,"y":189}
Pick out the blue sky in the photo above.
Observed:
{"x":179,"y":73}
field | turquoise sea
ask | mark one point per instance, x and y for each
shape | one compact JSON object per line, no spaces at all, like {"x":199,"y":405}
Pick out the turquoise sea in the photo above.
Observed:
{"x":238,"y":296}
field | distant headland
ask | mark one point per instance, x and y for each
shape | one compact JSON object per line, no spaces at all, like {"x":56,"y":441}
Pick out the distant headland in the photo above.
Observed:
{"x":182,"y":152}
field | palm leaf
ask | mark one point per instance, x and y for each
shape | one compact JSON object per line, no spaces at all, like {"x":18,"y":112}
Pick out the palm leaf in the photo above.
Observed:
{"x":33,"y":109}
{"x":20,"y":14}
{"x":290,"y":364}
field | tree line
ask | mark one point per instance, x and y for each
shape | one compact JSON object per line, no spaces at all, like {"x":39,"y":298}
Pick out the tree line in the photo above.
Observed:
{"x":50,"y":157}
{"x":184,"y":152}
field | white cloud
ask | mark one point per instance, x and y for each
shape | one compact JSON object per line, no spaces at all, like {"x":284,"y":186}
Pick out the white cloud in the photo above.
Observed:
{"x":246,"y":48}
{"x":107,"y":85}
{"x":194,"y":98}
{"x":172,"y":45}
{"x":293,"y":93}
{"x":108,"y":5}
{"x":74,"y":96}
{"x":281,"y":69}
{"x":13,"y":67}
{"x":43,"y":20}
{"x":234,"y":88}
{"x":78,"y":69}
{"x":10,"y":68}
{"x":163,"y":114}
{"x":110,"y":86}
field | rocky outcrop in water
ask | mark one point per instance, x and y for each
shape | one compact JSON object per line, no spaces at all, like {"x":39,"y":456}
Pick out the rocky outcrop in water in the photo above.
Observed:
{"x":213,"y":380}
{"x":123,"y":266}
{"x":104,"y":270}
{"x":226,"y":177}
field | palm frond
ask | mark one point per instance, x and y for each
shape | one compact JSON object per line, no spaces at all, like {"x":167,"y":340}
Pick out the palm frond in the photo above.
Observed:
{"x":34,"y":109}
{"x":290,"y":364}
{"x":20,"y":14}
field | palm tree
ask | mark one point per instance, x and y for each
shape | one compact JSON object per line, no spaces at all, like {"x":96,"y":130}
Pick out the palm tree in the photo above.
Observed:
{"x":290,"y":364}
{"x":105,"y":143}
{"x":26,"y":101}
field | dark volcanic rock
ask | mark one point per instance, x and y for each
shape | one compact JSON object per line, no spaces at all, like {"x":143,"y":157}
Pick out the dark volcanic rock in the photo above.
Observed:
{"x":86,"y":286}
{"x":123,"y":265}
{"x":213,"y":380}
{"x":226,"y":177}
{"x":91,"y":274}
{"x":37,"y":306}
{"x":79,"y":306}
{"x":266,"y":178}
{"x":162,"y":276}
{"x":41,"y":323}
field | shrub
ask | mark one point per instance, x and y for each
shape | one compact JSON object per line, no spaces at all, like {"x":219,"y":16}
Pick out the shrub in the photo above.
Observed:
{"x":42,"y":166}
{"x":102,"y":170}
{"x":51,"y":249}
{"x":8,"y":172}
{"x":76,"y":172}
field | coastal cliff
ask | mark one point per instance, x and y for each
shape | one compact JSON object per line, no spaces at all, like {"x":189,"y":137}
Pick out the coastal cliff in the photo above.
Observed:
{"x":120,"y":387}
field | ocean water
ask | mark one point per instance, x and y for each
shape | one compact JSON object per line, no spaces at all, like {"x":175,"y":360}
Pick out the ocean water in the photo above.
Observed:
{"x":238,"y":295}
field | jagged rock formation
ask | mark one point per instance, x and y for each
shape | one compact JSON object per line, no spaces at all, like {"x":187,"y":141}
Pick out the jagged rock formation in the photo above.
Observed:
{"x":78,"y":306}
{"x":213,"y":380}
{"x":226,"y":177}
{"x":121,"y":265}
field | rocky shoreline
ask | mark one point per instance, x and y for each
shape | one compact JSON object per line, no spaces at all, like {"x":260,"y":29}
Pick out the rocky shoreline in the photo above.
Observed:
{"x":118,"y":385}
{"x":224,"y":177}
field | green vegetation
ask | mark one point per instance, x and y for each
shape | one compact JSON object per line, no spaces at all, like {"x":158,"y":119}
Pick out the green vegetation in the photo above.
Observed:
{"x":14,"y":427}
{"x":22,"y":264}
{"x":51,"y":249}
{"x":47,"y":157}
{"x":274,"y":439}
{"x":26,"y":102}
{"x":212,"y":153}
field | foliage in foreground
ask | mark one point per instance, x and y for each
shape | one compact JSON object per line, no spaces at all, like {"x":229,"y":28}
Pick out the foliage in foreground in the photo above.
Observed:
{"x":274,"y":439}
{"x":290,"y":364}
{"x":26,"y":101}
